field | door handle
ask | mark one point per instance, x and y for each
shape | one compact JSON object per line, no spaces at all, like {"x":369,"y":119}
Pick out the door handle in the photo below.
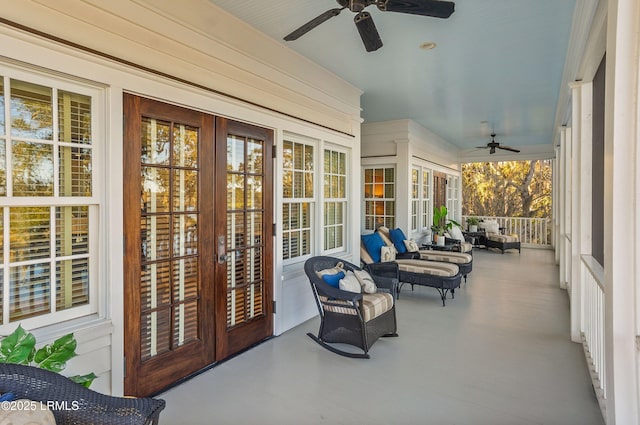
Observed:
{"x":222,"y":250}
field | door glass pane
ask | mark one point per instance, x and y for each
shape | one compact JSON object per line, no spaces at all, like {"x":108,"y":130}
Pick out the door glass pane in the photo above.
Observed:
{"x":155,"y":284}
{"x":155,"y":189}
{"x":185,"y":146}
{"x":255,"y":156}
{"x":185,"y":234}
{"x":245,"y":243}
{"x":155,"y":142}
{"x":155,"y":237}
{"x":169,"y":236}
{"x":185,"y":190}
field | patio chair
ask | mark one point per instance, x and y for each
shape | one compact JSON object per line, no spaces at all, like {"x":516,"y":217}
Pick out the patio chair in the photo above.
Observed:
{"x":444,"y":277}
{"x":73,"y":404}
{"x":353,"y":318}
{"x":464,"y":260}
{"x":496,"y":239}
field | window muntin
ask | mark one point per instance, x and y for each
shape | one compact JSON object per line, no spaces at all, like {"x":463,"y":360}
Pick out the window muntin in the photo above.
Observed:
{"x":48,"y":229}
{"x":335,"y":200}
{"x":379,"y":198}
{"x":298,"y":199}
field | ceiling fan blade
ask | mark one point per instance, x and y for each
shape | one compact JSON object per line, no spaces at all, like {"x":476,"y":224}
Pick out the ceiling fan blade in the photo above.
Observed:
{"x":313,"y":23}
{"x":436,"y":9}
{"x":368,"y":31}
{"x":482,"y":147}
{"x":507,"y":148}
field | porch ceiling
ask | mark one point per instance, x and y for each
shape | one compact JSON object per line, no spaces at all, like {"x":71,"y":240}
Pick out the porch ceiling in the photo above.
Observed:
{"x":498,"y":64}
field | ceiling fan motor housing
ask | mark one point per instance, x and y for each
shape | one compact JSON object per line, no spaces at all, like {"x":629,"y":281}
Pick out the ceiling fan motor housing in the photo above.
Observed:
{"x":357,"y":5}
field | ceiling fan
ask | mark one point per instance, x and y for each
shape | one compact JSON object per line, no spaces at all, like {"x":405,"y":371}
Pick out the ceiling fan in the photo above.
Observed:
{"x":493,"y":145}
{"x":364,"y":22}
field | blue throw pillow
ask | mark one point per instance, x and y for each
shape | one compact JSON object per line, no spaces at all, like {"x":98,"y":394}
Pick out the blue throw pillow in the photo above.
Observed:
{"x":398,"y":238}
{"x":7,"y":397}
{"x":333,"y":279}
{"x":373,"y":243}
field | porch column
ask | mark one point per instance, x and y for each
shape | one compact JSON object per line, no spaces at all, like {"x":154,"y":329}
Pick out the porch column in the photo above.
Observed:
{"x":403,"y":184}
{"x":565,"y":207}
{"x":581,"y":180}
{"x":621,"y":212}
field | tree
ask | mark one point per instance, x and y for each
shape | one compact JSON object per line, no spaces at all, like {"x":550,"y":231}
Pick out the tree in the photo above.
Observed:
{"x":507,"y":188}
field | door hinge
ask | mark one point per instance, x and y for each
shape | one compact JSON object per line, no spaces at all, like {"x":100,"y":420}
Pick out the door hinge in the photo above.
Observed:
{"x":274,"y":307}
{"x":124,"y":367}
{"x":124,"y":245}
{"x":274,"y":150}
{"x":273,"y":229}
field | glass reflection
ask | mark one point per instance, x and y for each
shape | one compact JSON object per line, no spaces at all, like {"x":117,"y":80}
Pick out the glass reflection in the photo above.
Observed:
{"x":31,"y":111}
{"x":32,"y":169}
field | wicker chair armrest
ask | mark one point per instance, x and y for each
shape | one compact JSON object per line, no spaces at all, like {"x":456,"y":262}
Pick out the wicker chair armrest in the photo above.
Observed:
{"x":387,"y":284}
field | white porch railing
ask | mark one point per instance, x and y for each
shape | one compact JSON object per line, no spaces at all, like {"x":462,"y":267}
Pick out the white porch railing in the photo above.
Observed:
{"x":593,"y":310}
{"x":533,"y":232}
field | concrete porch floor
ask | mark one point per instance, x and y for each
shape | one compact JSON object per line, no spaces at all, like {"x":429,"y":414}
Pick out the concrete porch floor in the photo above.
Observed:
{"x":497,"y":354}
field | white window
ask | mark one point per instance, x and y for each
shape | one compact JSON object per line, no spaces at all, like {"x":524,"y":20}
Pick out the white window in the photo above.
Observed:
{"x":427,"y":206}
{"x":298,"y":199}
{"x":415,"y":198}
{"x":49,"y":207}
{"x":452,"y":197}
{"x":335,"y":200}
{"x":379,"y":198}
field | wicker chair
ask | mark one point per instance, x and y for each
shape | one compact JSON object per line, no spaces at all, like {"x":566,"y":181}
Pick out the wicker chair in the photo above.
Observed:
{"x":345,"y":316}
{"x":74,"y":404}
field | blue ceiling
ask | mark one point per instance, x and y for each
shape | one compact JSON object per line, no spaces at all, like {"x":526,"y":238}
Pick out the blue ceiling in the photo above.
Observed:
{"x":497,"y":66}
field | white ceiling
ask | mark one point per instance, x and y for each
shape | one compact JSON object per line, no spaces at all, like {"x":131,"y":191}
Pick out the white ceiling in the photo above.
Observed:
{"x":498,"y":64}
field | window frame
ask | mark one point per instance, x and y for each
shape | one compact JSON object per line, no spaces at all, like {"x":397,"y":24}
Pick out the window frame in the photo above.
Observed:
{"x":344,"y":200}
{"x":311,"y":201}
{"x":382,"y":199}
{"x":95,"y":202}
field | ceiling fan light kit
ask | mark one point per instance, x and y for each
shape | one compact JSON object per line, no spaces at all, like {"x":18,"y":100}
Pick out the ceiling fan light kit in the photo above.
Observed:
{"x":364,"y":21}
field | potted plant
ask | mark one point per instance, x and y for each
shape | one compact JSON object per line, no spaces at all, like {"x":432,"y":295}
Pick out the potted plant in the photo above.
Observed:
{"x":472,"y":224}
{"x":20,"y":347}
{"x":441,"y":224}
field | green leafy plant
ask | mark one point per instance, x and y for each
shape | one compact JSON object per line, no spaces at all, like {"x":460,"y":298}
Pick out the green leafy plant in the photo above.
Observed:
{"x":440,"y":222}
{"x":20,"y":347}
{"x":473,"y":221}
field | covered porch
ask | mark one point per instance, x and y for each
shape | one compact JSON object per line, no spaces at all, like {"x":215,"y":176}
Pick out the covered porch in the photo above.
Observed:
{"x":497,"y":354}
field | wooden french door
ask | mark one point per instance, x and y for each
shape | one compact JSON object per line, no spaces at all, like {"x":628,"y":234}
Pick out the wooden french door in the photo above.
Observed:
{"x":439,"y":189}
{"x":178,"y":287}
{"x":244,"y":293}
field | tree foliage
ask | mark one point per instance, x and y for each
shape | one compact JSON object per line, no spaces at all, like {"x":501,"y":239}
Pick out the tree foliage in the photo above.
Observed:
{"x":507,"y":189}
